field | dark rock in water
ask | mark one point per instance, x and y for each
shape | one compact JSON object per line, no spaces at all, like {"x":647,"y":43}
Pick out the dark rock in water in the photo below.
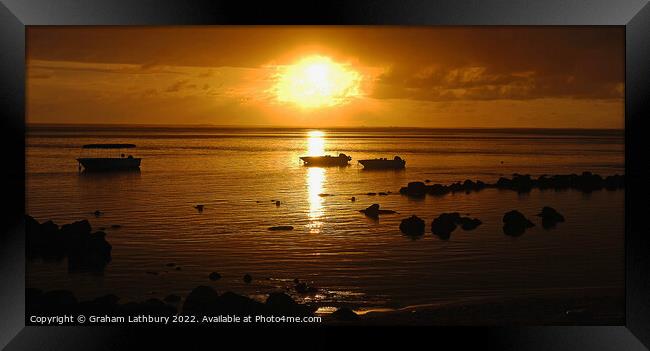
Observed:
{"x":85,"y":250}
{"x":427,"y":180}
{"x":172,"y":298}
{"x":413,"y":225}
{"x":550,"y":217}
{"x":151,"y":273}
{"x":325,"y":195}
{"x":515,"y":223}
{"x":247,"y":278}
{"x":199,"y":207}
{"x":371,"y":194}
{"x":282,"y":304}
{"x":281,"y":227}
{"x":98,"y":213}
{"x":202,"y":299}
{"x":214,"y":276}
{"x":470,"y":223}
{"x":277,"y":203}
{"x":170,"y":264}
{"x":116,"y":226}
{"x":437,"y":189}
{"x":353,"y":199}
{"x":444,"y":224}
{"x":178,"y":268}
{"x":304,"y":288}
{"x":373,"y":211}
{"x":232,"y":303}
{"x":345,"y":314}
{"x":414,"y":189}
{"x":382,"y":194}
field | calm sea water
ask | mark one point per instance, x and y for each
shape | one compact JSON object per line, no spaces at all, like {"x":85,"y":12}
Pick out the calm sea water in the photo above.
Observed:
{"x":355,"y":261}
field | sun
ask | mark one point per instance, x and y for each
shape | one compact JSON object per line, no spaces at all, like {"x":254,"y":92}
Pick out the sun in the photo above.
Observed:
{"x":317,"y":81}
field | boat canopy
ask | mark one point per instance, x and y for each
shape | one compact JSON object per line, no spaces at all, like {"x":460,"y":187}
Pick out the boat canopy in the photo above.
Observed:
{"x":108,"y":146}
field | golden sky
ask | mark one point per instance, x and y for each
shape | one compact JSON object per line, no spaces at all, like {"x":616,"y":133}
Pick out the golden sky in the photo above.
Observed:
{"x":489,"y":77}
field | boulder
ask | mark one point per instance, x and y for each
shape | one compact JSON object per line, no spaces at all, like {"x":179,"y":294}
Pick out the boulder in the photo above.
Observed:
{"x":413,"y":225}
{"x":202,"y":299}
{"x":247,"y":278}
{"x":550,"y":217}
{"x":414,"y":189}
{"x":279,"y":303}
{"x":515,"y":223}
{"x":345,"y":314}
{"x":373,"y":211}
{"x":444,"y":224}
{"x":214,"y":276}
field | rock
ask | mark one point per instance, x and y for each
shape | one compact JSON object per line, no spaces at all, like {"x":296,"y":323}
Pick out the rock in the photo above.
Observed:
{"x":282,"y":304}
{"x":371,"y":194}
{"x":231,"y":303}
{"x":214,"y":276}
{"x":353,"y":199}
{"x":515,"y":223}
{"x":170,"y":264}
{"x":412,"y":226}
{"x":550,"y":217}
{"x":199,"y":207}
{"x":445,"y":224}
{"x":202,"y":299}
{"x":325,"y":195}
{"x":98,"y":213}
{"x":151,"y":273}
{"x":382,"y":194}
{"x":116,"y":226}
{"x":281,"y":227}
{"x":178,"y":268}
{"x":247,"y":278}
{"x":414,"y":189}
{"x":373,"y":211}
{"x":304,"y":288}
{"x":277,"y":203}
{"x":427,"y":180}
{"x":469,"y":223}
{"x":345,"y":314}
{"x":172,"y":299}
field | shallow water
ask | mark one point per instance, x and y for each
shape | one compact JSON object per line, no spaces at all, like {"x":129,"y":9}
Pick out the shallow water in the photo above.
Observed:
{"x":354,"y":260}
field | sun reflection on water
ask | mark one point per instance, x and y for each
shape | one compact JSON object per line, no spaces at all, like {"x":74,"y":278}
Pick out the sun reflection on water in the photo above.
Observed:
{"x":315,"y":180}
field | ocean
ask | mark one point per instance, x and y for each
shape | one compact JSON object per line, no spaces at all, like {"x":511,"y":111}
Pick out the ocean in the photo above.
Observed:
{"x":238,"y":173}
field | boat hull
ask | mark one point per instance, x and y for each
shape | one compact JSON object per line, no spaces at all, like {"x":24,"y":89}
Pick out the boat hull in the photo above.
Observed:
{"x":325,"y":161}
{"x":383,"y":164}
{"x":109,"y":164}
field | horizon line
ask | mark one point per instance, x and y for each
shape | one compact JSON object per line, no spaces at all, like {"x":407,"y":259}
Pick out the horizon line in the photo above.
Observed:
{"x":207,"y":125}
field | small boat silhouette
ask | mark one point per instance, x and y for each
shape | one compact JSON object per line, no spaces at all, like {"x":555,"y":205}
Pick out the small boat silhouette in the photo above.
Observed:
{"x":384,"y":163}
{"x":326,"y":160}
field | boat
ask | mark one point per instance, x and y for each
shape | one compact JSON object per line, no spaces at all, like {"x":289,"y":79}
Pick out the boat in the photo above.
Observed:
{"x":326,"y":160}
{"x":384,"y":163}
{"x":104,"y":163}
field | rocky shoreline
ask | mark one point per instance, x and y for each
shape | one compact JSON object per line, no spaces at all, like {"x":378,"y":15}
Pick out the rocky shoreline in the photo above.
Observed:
{"x":585,"y":182}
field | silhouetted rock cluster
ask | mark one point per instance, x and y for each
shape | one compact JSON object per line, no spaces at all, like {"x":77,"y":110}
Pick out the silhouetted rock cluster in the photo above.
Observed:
{"x":373,"y":211}
{"x":345,"y":314}
{"x":515,"y":223}
{"x":550,"y":217}
{"x":204,"y":300}
{"x":585,"y":182}
{"x":413,"y":225}
{"x":63,"y":302}
{"x":281,"y":227}
{"x":85,"y":250}
{"x":446,"y":223}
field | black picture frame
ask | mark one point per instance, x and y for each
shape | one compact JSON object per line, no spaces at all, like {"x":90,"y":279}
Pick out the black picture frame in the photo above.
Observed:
{"x":634,"y":15}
